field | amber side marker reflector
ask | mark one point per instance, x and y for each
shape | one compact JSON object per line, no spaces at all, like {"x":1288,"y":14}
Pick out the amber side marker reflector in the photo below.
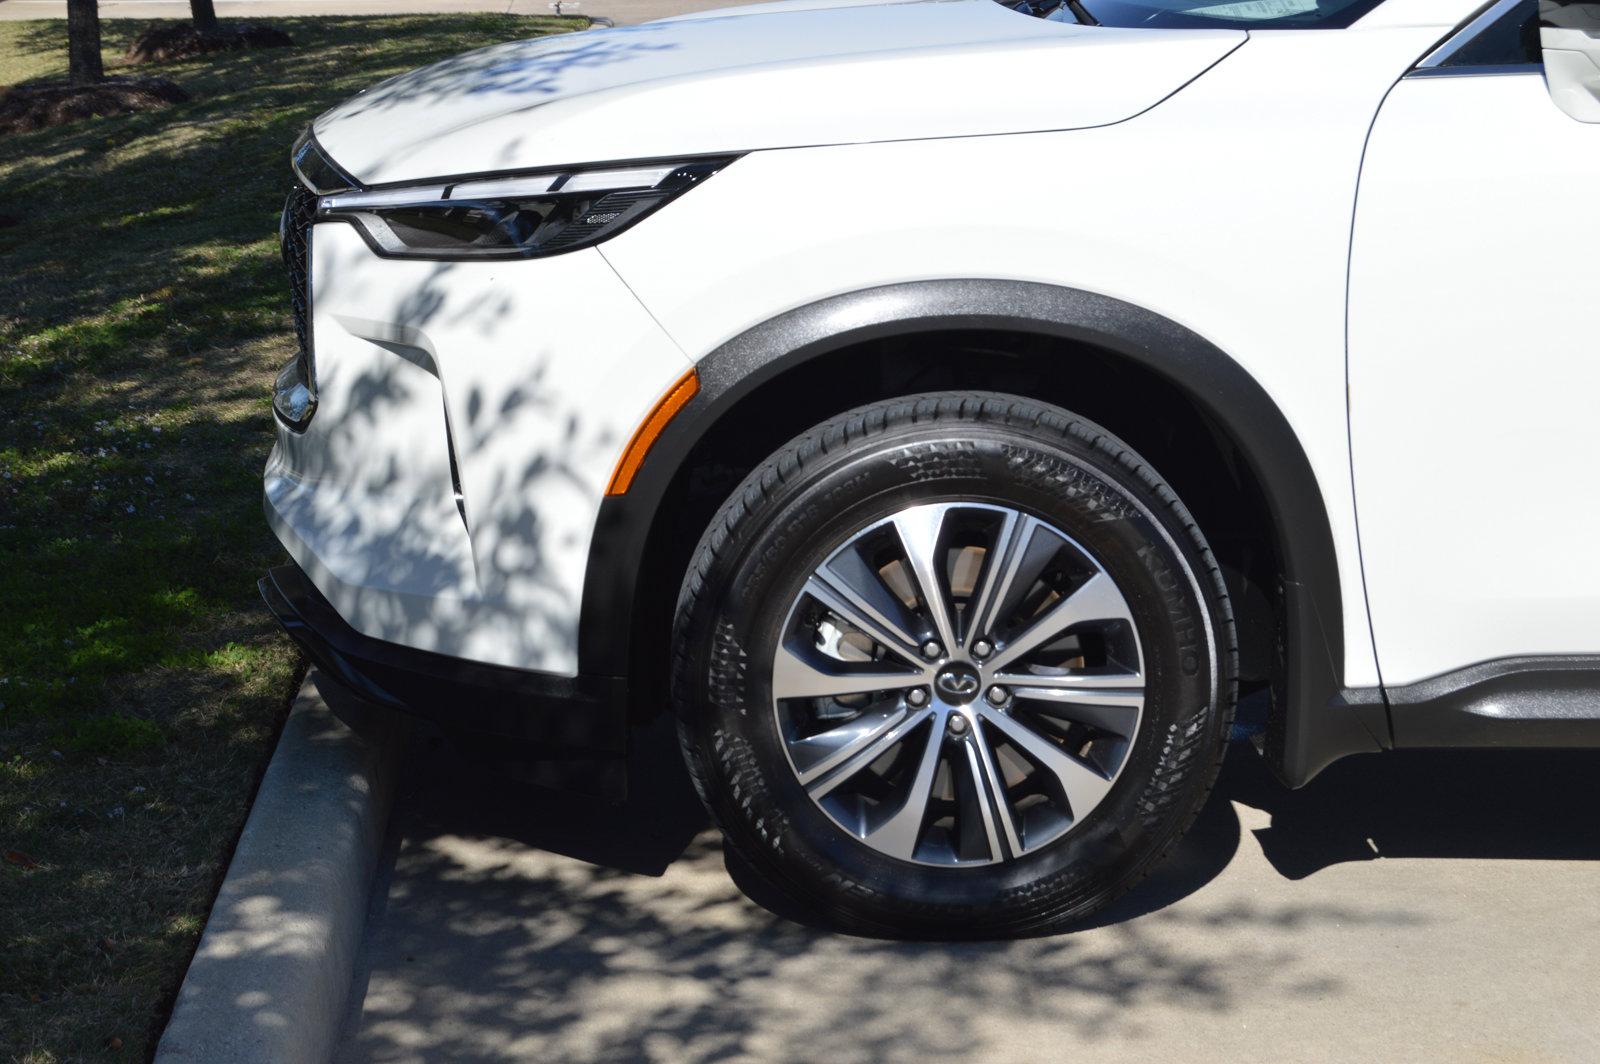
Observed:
{"x":677,"y":397}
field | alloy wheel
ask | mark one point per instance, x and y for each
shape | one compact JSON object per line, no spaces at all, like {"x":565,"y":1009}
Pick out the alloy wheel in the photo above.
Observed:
{"x":958,"y":684}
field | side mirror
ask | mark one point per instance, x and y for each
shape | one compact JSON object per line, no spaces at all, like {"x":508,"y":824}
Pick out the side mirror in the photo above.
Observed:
{"x":1569,"y":33}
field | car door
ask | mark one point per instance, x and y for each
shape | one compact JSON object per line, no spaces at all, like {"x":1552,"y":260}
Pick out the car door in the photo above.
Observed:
{"x":1474,"y":363}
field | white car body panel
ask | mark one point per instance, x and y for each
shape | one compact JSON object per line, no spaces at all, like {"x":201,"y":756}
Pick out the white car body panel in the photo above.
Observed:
{"x":1188,"y":211}
{"x":544,"y":367}
{"x":743,"y":82}
{"x":1204,"y":177}
{"x":1474,"y":376}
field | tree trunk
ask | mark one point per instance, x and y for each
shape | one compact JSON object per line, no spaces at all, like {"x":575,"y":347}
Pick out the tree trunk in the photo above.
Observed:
{"x":205,"y":15}
{"x":83,"y":42}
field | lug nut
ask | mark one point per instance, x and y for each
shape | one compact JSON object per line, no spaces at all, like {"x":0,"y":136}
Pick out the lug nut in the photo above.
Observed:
{"x":998,"y":695}
{"x":917,"y":696}
{"x":958,"y":724}
{"x":982,"y":648}
{"x":932,"y":650}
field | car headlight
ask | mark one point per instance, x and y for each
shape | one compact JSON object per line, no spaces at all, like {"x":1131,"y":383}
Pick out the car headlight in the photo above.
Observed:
{"x":513,"y":217}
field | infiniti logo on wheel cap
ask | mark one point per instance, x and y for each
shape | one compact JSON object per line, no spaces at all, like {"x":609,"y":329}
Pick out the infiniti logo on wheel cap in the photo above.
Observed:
{"x":958,"y":683}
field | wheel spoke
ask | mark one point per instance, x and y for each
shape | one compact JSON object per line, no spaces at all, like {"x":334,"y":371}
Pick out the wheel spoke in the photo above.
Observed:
{"x":1000,"y":567}
{"x":852,"y":577}
{"x":991,"y":788}
{"x":1097,"y":600}
{"x":1083,"y":785}
{"x":1087,"y":682}
{"x":1115,"y":711}
{"x":1109,"y":701}
{"x":816,"y":755}
{"x":820,"y":786}
{"x":897,"y":836}
{"x":797,"y":674}
{"x":861,"y":616}
{"x":919,"y":529}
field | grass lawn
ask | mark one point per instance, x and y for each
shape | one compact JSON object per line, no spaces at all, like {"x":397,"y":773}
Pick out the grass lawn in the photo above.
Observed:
{"x":143,"y":313}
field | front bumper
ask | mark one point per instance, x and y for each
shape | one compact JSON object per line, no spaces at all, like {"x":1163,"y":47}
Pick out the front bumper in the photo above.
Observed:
{"x":569,"y":732}
{"x":468,"y":419}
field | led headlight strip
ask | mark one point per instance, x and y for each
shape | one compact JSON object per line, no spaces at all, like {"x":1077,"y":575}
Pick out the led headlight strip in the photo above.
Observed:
{"x":513,"y":217}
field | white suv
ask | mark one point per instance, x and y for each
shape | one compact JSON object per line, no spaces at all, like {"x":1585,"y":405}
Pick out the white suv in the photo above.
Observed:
{"x":947,"y":409}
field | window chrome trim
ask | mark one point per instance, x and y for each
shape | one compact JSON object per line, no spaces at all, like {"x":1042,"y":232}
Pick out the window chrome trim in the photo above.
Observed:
{"x":1463,"y":35}
{"x":1483,"y":71}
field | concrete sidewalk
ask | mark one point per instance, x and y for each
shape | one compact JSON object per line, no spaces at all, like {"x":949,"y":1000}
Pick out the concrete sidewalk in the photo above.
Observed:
{"x":1418,"y":907}
{"x":622,"y":12}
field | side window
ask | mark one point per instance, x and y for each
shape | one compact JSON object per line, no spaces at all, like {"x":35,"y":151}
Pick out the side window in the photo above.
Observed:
{"x":1510,"y":40}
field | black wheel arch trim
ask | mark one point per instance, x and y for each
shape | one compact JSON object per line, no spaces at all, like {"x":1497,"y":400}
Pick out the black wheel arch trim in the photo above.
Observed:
{"x":1314,"y":721}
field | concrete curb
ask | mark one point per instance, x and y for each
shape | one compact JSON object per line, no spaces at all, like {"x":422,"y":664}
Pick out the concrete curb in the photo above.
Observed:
{"x":273,"y":969}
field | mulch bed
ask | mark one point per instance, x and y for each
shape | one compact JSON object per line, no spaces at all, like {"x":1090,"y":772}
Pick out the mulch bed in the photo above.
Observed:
{"x":163,"y":44}
{"x":42,"y":104}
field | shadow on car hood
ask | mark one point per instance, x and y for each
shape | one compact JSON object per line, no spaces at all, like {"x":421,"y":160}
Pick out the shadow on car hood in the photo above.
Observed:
{"x":781,"y":75}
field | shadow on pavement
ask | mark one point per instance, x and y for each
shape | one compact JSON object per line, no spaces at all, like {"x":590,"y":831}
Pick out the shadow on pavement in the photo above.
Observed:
{"x":520,"y":924}
{"x":1492,"y":804}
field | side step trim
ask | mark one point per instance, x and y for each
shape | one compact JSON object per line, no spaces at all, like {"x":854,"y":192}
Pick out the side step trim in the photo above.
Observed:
{"x":1529,"y":702}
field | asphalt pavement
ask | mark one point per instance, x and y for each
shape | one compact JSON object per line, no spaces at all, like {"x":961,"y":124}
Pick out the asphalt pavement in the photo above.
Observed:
{"x":1404,"y":907}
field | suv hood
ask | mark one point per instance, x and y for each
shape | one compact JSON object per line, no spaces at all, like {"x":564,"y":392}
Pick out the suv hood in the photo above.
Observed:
{"x":771,"y":76}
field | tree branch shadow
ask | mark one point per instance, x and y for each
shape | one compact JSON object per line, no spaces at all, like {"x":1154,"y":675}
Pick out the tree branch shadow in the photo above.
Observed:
{"x":520,"y":923}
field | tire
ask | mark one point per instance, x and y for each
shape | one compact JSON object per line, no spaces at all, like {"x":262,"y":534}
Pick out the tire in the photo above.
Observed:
{"x":1038,"y":808}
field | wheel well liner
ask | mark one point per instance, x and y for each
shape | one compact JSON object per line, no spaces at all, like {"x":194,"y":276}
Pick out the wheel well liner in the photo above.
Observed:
{"x":1311,"y":723}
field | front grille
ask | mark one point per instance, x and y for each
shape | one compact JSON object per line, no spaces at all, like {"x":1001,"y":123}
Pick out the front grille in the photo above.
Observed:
{"x":298,"y":212}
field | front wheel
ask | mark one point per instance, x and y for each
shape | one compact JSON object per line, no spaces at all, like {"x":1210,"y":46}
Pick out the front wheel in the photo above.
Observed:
{"x":953,"y":666}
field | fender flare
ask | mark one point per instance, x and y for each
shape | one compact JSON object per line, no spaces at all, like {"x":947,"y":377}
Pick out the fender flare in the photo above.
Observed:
{"x":1314,"y":721}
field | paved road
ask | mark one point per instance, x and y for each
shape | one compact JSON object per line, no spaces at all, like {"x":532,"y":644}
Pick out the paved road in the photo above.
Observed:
{"x":622,"y":12}
{"x":1418,"y":907}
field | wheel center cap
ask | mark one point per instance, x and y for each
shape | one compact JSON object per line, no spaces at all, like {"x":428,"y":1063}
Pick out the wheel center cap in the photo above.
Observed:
{"x":958,"y":683}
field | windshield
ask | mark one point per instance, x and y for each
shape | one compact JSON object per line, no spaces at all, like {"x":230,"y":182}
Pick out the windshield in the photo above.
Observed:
{"x":1240,"y":14}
